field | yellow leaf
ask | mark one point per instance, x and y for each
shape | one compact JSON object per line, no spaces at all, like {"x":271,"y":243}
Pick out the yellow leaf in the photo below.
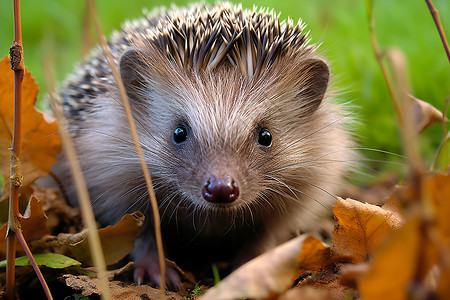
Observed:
{"x":361,"y":228}
{"x":40,"y":141}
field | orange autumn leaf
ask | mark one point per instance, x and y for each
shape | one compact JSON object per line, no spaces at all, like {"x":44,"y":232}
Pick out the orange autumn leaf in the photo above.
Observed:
{"x":315,"y":256}
{"x":394,"y":265}
{"x":33,"y":225}
{"x":438,"y":192}
{"x":40,"y":141}
{"x":361,"y":227}
{"x":403,"y":264}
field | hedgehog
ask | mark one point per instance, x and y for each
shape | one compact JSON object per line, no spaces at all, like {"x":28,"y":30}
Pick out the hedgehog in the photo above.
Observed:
{"x":241,"y":135}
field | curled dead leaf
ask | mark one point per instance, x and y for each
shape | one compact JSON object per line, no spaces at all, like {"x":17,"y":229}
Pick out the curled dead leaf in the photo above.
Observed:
{"x":34,"y":225}
{"x":361,"y":228}
{"x":315,"y":256}
{"x":425,"y":114}
{"x":263,"y":277}
{"x":89,"y":287}
{"x":399,"y":263}
{"x":117,"y":240}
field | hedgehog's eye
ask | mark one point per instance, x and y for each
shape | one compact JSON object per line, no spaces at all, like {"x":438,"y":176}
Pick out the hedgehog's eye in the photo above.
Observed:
{"x":264,"y":137}
{"x":179,"y":134}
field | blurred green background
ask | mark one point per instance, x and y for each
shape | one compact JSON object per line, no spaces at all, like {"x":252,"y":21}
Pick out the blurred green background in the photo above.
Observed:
{"x":340,"y":25}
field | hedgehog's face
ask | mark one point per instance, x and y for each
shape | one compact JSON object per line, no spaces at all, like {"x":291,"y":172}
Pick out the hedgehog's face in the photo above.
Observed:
{"x":228,"y":141}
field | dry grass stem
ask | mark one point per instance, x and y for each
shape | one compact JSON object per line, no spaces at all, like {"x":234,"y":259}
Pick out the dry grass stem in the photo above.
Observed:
{"x":437,"y":20}
{"x":82,"y":193}
{"x":132,"y":125}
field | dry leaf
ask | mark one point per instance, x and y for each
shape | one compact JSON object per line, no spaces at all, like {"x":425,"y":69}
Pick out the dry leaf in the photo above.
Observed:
{"x":265,"y":276}
{"x":40,"y":141}
{"x":330,"y":286}
{"x":34,"y":225}
{"x":117,"y":240}
{"x":350,"y":274}
{"x":404,"y":264}
{"x":89,"y":287}
{"x":438,"y":190}
{"x":306,"y":293}
{"x":398,"y":263}
{"x":315,"y":256}
{"x":361,"y":227}
{"x":425,"y":114}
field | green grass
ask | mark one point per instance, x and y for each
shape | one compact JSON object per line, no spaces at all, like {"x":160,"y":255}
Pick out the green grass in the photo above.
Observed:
{"x":340,"y":25}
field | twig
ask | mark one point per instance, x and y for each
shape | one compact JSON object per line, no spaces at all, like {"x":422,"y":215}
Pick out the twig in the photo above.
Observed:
{"x":132,"y":124}
{"x":22,"y":242}
{"x":446,"y":136}
{"x":399,"y":95}
{"x":154,"y":203}
{"x":10,"y":266}
{"x":14,"y":218}
{"x":437,"y":20}
{"x":82,"y":192}
{"x":379,"y":57}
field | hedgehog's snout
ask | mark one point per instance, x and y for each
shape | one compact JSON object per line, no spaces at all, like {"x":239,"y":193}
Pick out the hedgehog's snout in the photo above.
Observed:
{"x":220,"y":190}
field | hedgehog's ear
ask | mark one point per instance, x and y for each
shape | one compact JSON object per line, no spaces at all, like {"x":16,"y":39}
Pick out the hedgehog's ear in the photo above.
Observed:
{"x":312,"y":83}
{"x":131,"y":66}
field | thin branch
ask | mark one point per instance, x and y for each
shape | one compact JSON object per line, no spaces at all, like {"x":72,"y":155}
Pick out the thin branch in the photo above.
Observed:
{"x":132,"y":124}
{"x":446,"y":136}
{"x":399,"y":95}
{"x":437,"y":20}
{"x":379,"y":57}
{"x":22,"y":242}
{"x":82,"y":192}
{"x":14,"y":217}
{"x":10,"y":264}
{"x":16,"y":177}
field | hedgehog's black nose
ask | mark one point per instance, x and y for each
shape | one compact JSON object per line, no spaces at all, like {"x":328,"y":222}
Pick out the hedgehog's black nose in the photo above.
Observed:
{"x":220,"y":190}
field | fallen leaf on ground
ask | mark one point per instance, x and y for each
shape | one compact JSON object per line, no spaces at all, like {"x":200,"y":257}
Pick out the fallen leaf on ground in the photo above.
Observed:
{"x":328,"y":286}
{"x":315,"y":256}
{"x":34,"y":225}
{"x":40,"y":141}
{"x":438,"y":190}
{"x":397,"y":264}
{"x":89,"y":287}
{"x":361,"y":227}
{"x":405,"y":264}
{"x":306,"y":293}
{"x":117,"y":240}
{"x":265,"y":276}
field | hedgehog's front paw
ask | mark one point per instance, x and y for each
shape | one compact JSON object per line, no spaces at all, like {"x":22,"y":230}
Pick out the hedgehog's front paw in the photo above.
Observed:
{"x":148,"y":267}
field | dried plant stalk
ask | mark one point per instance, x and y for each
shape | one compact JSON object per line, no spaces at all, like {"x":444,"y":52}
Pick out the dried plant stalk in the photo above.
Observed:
{"x":437,"y":20}
{"x":153,"y":202}
{"x":82,"y":192}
